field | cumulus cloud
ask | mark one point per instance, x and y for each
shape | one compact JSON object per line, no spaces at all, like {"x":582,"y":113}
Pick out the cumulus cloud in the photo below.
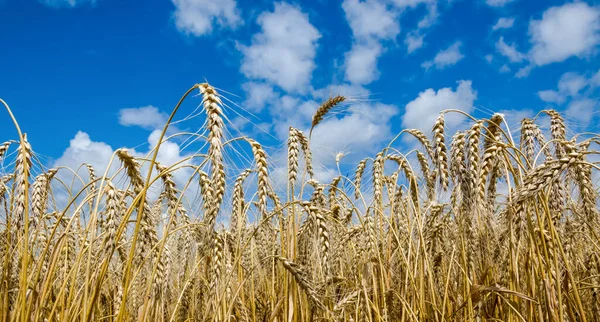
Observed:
{"x":66,"y":3}
{"x":551,"y":96}
{"x":411,"y":3}
{"x":504,"y":23}
{"x":570,"y":84}
{"x":339,"y":134}
{"x":504,"y":69}
{"x":283,"y":52}
{"x":524,"y":71}
{"x":572,"y":29}
{"x":578,"y":90}
{"x":596,"y":79}
{"x":361,"y":63}
{"x":371,"y":19}
{"x":422,"y":112}
{"x":83,"y":150}
{"x":197,"y":17}
{"x":148,"y":117}
{"x":371,"y":22}
{"x":413,"y":41}
{"x":446,"y":57}
{"x":258,"y":95}
{"x":497,"y":3}
{"x":582,"y":110}
{"x":510,"y":51}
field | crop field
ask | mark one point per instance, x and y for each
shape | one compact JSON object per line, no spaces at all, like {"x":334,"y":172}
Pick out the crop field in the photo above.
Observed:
{"x":485,"y":223}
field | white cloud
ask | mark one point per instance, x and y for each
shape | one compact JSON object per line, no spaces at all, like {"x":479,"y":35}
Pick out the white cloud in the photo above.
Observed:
{"x":283,"y":52}
{"x":411,"y":3}
{"x":504,"y":69}
{"x":489,"y":58}
{"x":431,"y":16}
{"x":371,"y":20}
{"x":66,"y":3}
{"x":446,"y":57}
{"x":83,"y":150}
{"x":524,"y":71}
{"x":258,"y":95}
{"x":197,"y":17}
{"x":339,"y":134}
{"x":147,"y":117}
{"x":361,"y":63}
{"x":571,"y":83}
{"x":504,"y":23}
{"x":413,"y":41}
{"x":582,"y":110}
{"x":509,"y":51}
{"x":550,"y":96}
{"x":572,"y":29}
{"x":596,"y":79}
{"x":497,"y":3}
{"x":422,"y":112}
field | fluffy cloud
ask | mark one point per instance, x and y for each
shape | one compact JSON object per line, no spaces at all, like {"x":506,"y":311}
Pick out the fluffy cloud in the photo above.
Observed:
{"x":197,"y":17}
{"x":413,"y":41}
{"x":371,"y":22}
{"x":509,"y":51}
{"x":371,"y":19}
{"x":504,"y":69}
{"x":361,"y":63}
{"x":283,"y":52}
{"x":83,"y":150}
{"x":258,"y":95}
{"x":596,"y":79}
{"x":147,"y":117}
{"x":582,"y":110}
{"x":570,"y":84}
{"x":497,"y":3}
{"x":411,"y":3}
{"x":446,"y":57}
{"x":524,"y":71}
{"x":66,"y":3}
{"x":504,"y":23}
{"x":339,"y":134}
{"x":550,"y":96}
{"x":572,"y":29}
{"x":579,"y":90}
{"x":422,"y":112}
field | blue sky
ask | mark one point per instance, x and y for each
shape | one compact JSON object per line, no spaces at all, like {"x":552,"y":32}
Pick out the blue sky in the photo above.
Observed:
{"x":85,"y":77}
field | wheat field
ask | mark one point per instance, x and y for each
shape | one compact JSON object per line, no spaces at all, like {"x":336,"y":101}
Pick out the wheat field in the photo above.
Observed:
{"x":487,"y":224}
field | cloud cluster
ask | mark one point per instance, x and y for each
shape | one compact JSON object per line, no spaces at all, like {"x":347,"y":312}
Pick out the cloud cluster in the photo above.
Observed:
{"x":445,"y":58}
{"x":148,"y":117}
{"x":372,"y":22}
{"x":198,"y":17}
{"x":572,"y":29}
{"x":283,"y":52}
{"x":497,"y":3}
{"x":504,"y":23}
{"x":66,"y":3}
{"x":422,"y":112}
{"x":578,"y":90}
{"x":562,"y":32}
